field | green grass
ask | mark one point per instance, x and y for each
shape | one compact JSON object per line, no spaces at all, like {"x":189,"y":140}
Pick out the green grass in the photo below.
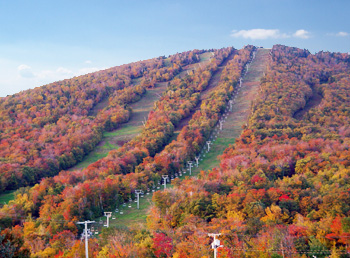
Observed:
{"x":109,"y":146}
{"x":132,"y":216}
{"x":108,"y":138}
{"x":123,"y":130}
{"x":210,"y":160}
{"x":7,"y":196}
{"x":205,"y":56}
{"x":89,"y":159}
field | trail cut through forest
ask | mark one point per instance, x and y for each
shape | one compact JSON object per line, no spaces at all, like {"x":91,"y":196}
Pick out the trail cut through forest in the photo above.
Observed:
{"x":213,"y":83}
{"x":140,"y":109}
{"x":232,"y":126}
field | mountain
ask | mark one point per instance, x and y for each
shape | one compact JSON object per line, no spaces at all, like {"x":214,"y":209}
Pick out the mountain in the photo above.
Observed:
{"x":281,"y":188}
{"x":52,"y":127}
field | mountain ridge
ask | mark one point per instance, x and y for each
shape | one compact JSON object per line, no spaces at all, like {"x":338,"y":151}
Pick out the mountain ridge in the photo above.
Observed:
{"x":281,"y":190}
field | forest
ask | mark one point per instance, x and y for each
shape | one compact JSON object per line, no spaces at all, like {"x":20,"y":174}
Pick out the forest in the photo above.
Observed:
{"x":51,"y":128}
{"x":281,"y":190}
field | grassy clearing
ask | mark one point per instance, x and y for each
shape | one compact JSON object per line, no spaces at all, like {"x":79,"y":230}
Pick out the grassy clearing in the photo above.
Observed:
{"x":123,"y":130}
{"x":131,"y":216}
{"x":7,"y":196}
{"x":110,"y":141}
{"x":89,"y":159}
{"x":205,"y":56}
{"x":210,"y":160}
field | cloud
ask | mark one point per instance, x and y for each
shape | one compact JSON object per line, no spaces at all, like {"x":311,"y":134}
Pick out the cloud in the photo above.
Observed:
{"x":41,"y":77}
{"x":54,"y":75}
{"x":25,"y":71}
{"x":303,"y":34}
{"x":258,"y":34}
{"x":342,"y":34}
{"x":268,"y":34}
{"x":88,"y":62}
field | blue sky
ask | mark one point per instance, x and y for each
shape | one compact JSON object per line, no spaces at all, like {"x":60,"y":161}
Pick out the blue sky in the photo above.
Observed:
{"x":45,"y":41}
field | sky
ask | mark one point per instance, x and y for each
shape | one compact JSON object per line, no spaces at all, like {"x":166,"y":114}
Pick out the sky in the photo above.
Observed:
{"x":44,"y":41}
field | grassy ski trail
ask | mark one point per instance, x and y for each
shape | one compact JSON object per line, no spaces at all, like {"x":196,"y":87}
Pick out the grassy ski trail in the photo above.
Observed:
{"x":231,"y":130}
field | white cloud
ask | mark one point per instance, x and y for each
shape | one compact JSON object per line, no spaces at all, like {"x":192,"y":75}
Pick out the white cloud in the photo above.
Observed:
{"x":25,"y":71}
{"x":23,"y":67}
{"x":54,"y":75}
{"x":17,"y":77}
{"x":303,"y":34}
{"x":342,"y":34}
{"x":88,"y":62}
{"x":268,"y":34}
{"x":259,"y":34}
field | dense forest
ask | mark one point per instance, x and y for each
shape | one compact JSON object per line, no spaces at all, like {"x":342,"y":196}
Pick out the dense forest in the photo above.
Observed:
{"x":52,"y":127}
{"x":282,"y":190}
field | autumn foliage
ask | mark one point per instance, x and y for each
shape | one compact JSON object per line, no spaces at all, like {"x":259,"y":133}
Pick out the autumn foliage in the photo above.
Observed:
{"x":51,"y":128}
{"x":282,"y":190}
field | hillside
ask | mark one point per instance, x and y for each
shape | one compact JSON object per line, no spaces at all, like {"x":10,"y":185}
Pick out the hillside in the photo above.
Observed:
{"x":279,"y":187}
{"x":283,"y":188}
{"x":53,"y":127}
{"x":237,"y":118}
{"x":140,"y":110}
